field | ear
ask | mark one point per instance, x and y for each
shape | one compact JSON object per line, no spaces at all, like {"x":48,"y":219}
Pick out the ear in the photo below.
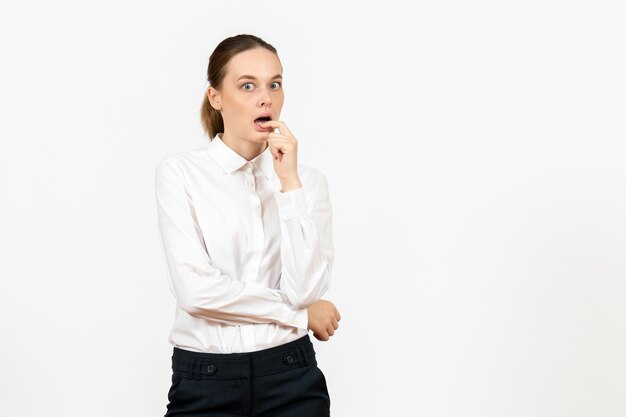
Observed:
{"x":215,"y":98}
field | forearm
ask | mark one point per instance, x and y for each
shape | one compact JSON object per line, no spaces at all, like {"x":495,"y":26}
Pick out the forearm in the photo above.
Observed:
{"x":307,"y":250}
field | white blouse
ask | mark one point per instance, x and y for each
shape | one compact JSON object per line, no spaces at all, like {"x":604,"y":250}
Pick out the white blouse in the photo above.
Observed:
{"x":243,"y":258}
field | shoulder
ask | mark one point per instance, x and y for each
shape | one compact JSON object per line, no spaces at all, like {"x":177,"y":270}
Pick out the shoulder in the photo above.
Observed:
{"x":180,"y":161}
{"x":184,"y":157}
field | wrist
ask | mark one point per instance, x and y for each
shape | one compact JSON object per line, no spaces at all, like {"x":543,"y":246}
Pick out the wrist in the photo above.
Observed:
{"x":290,"y":184}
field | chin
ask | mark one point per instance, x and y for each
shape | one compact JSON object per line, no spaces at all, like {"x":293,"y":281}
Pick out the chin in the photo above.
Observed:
{"x":262,"y":135}
{"x":258,"y":137}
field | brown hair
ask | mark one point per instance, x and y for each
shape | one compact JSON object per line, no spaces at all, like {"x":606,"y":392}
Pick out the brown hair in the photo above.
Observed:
{"x":212,"y":121}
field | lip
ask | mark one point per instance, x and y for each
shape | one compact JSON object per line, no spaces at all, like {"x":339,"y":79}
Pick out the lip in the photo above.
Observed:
{"x":267,"y":114}
{"x":261,"y":129}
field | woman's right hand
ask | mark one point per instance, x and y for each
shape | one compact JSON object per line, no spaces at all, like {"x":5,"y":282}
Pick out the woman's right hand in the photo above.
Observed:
{"x":323,"y":319}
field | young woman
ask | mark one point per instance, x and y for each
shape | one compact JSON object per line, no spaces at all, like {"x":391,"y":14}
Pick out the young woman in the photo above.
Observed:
{"x":247,"y":238}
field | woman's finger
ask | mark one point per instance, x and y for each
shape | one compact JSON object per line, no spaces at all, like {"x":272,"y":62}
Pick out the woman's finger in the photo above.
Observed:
{"x":285,"y":145}
{"x":281,"y":126}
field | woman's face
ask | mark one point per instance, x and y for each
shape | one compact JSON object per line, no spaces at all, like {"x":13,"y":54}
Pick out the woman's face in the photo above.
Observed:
{"x":251,"y":88}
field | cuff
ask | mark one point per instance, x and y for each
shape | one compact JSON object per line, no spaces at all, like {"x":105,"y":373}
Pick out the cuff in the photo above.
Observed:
{"x":297,"y":318}
{"x":301,"y":319}
{"x":291,"y":204}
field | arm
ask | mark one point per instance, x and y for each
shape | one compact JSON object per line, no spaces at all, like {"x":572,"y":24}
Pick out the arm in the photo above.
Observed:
{"x":201,"y":289}
{"x":307,"y":250}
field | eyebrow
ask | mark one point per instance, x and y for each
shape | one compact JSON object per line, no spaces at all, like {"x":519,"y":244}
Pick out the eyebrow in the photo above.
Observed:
{"x":254,"y":78}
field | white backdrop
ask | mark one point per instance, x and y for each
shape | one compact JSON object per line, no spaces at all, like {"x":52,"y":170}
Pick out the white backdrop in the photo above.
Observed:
{"x":475,"y":153}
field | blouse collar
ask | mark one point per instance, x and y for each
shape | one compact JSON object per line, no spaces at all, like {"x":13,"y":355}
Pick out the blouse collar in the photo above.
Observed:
{"x":231,"y":161}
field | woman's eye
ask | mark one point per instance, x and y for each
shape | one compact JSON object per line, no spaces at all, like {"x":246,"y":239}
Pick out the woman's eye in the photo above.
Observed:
{"x":248,"y":89}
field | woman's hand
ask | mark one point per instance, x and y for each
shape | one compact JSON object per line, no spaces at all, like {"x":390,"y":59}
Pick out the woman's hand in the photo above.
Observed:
{"x":323,"y":319}
{"x":284,"y":149}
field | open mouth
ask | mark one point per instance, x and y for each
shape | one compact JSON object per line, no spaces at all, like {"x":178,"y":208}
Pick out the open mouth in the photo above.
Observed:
{"x":262,"y":119}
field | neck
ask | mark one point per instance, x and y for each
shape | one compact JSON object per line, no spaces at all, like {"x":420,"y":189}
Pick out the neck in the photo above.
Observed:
{"x":247,"y":149}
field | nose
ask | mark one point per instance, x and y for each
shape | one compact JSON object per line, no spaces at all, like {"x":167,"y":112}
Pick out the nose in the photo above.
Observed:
{"x":265,"y":98}
{"x":265,"y":101}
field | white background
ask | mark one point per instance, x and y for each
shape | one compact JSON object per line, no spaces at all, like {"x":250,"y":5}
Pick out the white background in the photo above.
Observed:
{"x":475,"y":153}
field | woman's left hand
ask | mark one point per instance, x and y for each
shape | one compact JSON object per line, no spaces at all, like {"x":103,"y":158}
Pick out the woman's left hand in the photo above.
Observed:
{"x":284,"y":149}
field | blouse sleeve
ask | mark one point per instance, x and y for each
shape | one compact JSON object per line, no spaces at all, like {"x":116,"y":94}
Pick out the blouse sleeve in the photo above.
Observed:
{"x":201,"y":289}
{"x":307,"y":251}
